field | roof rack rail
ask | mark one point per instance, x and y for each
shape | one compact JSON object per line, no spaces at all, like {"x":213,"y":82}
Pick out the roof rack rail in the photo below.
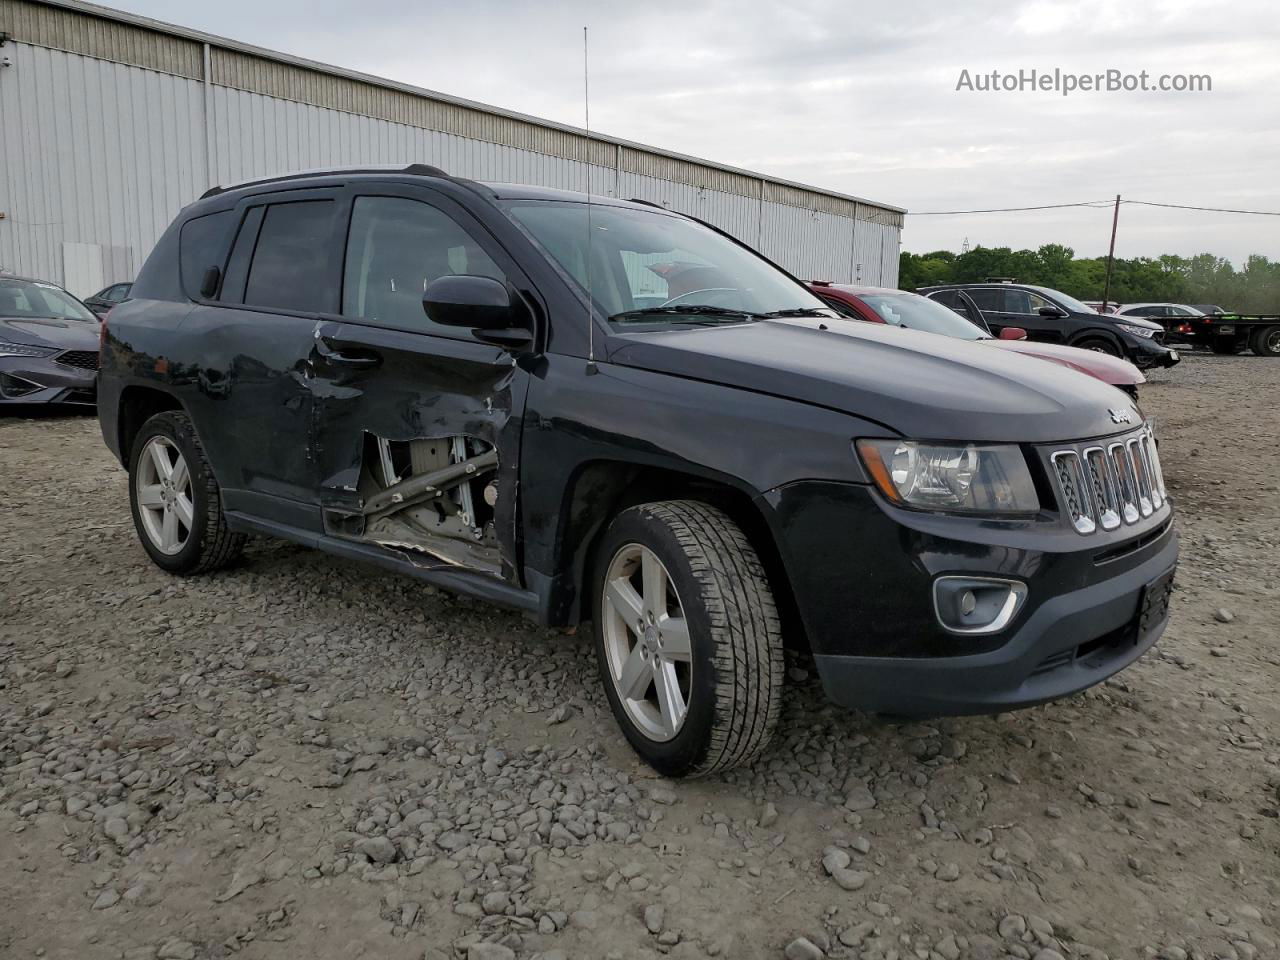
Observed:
{"x":414,"y":169}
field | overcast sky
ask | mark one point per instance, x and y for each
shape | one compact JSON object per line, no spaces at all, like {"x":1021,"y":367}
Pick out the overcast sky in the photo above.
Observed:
{"x":861,"y":97}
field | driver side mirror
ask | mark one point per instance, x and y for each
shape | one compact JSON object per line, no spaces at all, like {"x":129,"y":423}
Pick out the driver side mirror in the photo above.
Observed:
{"x":481,"y":303}
{"x":1013,"y":333}
{"x":1051,"y":311}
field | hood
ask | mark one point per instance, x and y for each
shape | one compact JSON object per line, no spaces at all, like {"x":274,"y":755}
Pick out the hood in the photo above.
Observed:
{"x":42,"y":332}
{"x":919,"y":384}
{"x":1133,"y":321}
{"x":1108,"y":369}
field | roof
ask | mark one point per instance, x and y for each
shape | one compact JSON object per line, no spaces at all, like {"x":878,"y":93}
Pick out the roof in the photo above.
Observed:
{"x":498,"y":191}
{"x":272,"y":56}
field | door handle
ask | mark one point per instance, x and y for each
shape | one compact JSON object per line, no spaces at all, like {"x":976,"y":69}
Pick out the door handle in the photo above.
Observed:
{"x":360,"y":359}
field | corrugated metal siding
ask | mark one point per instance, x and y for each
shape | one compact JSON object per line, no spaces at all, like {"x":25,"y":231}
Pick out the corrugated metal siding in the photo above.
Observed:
{"x":286,"y":81}
{"x":115,"y":151}
{"x":107,"y":156}
{"x":97,"y":37}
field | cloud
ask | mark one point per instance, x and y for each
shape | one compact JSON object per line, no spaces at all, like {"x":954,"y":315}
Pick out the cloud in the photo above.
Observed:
{"x":860,"y":97}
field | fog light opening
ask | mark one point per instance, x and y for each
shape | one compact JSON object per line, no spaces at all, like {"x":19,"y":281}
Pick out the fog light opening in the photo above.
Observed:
{"x":977,"y":605}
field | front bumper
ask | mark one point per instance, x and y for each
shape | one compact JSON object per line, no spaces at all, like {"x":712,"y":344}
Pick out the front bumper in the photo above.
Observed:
{"x":1145,"y":354}
{"x":26,"y":381}
{"x":1072,"y":642}
{"x":862,"y":572}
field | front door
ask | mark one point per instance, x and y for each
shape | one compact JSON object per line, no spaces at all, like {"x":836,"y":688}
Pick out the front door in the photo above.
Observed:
{"x":417,"y":424}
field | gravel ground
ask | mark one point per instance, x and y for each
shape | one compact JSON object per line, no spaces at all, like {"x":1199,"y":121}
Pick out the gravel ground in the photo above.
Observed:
{"x":301,"y":757}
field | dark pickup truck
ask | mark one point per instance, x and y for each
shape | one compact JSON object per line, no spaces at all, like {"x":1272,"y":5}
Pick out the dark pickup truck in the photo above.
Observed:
{"x":511,"y":393}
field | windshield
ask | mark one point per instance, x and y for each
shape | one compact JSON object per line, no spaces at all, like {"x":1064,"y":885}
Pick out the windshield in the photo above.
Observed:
{"x":649,"y":267}
{"x":1064,"y":301}
{"x":32,"y":300}
{"x":920,"y":313}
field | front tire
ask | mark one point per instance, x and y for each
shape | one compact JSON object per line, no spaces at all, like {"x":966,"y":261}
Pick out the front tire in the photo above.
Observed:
{"x":1099,"y":345}
{"x":687,"y":637}
{"x":176,"y":503}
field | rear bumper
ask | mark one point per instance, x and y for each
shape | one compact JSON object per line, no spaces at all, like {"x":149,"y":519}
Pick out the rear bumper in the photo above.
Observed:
{"x":1072,"y":641}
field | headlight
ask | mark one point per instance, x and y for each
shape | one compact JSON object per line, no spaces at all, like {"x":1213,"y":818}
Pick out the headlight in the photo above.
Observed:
{"x":1146,"y":333}
{"x":24,"y":350}
{"x":959,"y":478}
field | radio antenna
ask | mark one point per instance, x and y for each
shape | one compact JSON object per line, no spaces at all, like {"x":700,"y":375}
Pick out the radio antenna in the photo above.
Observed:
{"x":586,"y":112}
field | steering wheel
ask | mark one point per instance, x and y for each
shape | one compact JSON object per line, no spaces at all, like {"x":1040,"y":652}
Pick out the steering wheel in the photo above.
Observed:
{"x":692,"y":293}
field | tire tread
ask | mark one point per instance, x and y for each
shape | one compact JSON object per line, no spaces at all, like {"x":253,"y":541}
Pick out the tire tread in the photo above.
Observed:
{"x":219,"y":545}
{"x":746,"y":630}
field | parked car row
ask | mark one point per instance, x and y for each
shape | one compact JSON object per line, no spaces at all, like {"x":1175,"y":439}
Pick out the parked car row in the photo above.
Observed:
{"x":910,"y":311}
{"x":612,"y":413}
{"x":1209,"y":325}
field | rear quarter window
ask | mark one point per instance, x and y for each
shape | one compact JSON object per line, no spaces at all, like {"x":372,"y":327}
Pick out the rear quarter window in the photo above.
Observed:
{"x":203,"y":244}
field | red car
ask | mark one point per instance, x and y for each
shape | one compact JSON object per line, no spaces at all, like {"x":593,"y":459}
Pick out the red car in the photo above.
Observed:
{"x":914,"y":312}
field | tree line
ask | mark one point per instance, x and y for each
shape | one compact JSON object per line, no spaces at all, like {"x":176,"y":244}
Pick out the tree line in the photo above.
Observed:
{"x":1204,"y":279}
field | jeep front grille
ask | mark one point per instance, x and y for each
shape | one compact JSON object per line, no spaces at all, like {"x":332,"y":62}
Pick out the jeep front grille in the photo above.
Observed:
{"x":1105,"y":485}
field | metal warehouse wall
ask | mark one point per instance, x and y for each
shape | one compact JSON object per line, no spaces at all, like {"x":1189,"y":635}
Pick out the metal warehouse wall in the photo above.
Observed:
{"x":108,"y":128}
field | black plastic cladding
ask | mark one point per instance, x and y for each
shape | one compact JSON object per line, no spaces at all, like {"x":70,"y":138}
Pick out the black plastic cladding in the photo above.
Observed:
{"x":764,"y":412}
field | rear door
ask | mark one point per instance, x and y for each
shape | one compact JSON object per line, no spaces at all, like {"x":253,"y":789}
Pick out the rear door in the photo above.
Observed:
{"x":257,"y":335}
{"x":991,"y":301}
{"x":410,"y":404}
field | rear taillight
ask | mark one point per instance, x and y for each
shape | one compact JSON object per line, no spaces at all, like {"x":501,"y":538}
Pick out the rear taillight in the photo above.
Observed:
{"x":102,"y":335}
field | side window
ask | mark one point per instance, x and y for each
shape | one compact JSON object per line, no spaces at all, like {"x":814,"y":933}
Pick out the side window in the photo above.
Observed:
{"x":987,"y":299}
{"x":1017,"y":301}
{"x":948,"y":298}
{"x":290,"y":267}
{"x":201,"y":244}
{"x":395,"y":248}
{"x":117,"y":293}
{"x":1036,"y":302}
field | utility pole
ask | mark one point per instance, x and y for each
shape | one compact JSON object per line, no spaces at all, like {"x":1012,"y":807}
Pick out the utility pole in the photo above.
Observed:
{"x":1111,"y":255}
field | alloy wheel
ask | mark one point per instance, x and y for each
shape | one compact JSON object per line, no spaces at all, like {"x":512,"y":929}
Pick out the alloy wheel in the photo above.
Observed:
{"x":646,"y":641}
{"x":163,"y":489}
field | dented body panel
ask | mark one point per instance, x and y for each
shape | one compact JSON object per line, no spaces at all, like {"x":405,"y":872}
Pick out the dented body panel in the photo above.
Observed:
{"x":423,"y":388}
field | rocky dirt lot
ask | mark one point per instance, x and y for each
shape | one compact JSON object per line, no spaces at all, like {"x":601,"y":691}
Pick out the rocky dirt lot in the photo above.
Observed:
{"x":304,"y":758}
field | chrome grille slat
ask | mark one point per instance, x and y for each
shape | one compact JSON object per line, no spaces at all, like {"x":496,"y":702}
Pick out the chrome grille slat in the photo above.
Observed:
{"x":1143,"y":485}
{"x":1108,"y":485}
{"x":1122,"y":469}
{"x":1077,"y":499}
{"x":1106,"y":499}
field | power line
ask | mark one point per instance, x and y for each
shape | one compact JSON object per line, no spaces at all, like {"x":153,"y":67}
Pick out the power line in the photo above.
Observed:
{"x":1092,"y":205}
{"x":1183,"y":206}
{"x":1048,"y":206}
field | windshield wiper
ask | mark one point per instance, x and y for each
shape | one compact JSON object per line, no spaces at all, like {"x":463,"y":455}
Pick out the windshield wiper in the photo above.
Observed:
{"x":693,"y":309}
{"x":799,"y":312}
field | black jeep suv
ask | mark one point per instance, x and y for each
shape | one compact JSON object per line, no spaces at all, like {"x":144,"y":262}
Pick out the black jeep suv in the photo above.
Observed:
{"x":610,"y":412}
{"x":1054,"y":317}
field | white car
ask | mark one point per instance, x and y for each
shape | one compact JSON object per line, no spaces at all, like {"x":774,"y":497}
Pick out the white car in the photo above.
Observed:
{"x":1157,"y":311}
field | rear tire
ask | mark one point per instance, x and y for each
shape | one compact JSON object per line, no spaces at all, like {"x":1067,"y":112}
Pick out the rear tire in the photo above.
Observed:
{"x":1266,"y":342}
{"x":1099,"y":345}
{"x":176,"y":503}
{"x":730,"y":679}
